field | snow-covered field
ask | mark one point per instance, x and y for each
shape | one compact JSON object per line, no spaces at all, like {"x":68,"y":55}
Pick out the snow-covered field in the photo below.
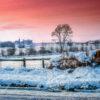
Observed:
{"x":81,"y":56}
{"x":86,"y":78}
{"x":80,"y":78}
{"x":29,"y":64}
{"x":30,"y":56}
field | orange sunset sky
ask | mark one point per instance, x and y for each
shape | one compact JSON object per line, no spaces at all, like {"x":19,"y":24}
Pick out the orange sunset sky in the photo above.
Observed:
{"x":36,"y":19}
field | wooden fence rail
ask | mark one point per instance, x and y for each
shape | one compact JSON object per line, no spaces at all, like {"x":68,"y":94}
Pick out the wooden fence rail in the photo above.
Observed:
{"x":26,"y":59}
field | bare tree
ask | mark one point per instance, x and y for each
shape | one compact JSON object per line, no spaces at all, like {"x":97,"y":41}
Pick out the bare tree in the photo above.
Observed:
{"x":63,"y":33}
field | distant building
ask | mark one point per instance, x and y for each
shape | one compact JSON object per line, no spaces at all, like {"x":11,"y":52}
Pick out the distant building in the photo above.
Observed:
{"x":25,"y":47}
{"x":23,"y":44}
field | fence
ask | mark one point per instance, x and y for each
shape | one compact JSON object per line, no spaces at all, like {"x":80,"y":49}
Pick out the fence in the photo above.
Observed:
{"x":26,"y":59}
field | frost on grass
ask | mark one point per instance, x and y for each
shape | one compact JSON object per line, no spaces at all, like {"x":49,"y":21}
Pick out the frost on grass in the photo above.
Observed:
{"x":70,"y":79}
{"x":52,"y":80}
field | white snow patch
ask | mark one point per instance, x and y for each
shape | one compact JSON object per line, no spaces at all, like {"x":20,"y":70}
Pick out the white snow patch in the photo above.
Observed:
{"x":51,"y":79}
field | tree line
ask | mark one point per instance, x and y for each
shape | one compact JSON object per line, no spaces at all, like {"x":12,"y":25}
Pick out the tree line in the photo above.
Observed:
{"x":62,"y":35}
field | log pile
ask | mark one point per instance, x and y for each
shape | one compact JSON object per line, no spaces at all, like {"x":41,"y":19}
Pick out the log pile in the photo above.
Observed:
{"x":73,"y":62}
{"x":97,"y":57}
{"x":69,"y":63}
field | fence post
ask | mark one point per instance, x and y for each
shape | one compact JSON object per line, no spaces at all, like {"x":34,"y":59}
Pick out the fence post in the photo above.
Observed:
{"x":43,"y":63}
{"x":24,"y":62}
{"x":0,"y":64}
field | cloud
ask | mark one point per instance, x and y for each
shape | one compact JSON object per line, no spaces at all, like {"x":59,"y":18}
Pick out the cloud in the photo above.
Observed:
{"x":14,"y":26}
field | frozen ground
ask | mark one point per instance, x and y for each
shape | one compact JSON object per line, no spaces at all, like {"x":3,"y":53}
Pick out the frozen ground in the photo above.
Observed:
{"x":85,"y":78}
{"x":30,"y":57}
{"x":16,"y":94}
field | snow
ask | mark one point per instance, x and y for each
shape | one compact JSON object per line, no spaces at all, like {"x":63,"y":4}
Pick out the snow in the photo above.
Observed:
{"x":51,"y":80}
{"x":82,"y":57}
{"x":87,"y":77}
{"x":31,"y":56}
{"x":55,"y":60}
{"x":92,"y":53}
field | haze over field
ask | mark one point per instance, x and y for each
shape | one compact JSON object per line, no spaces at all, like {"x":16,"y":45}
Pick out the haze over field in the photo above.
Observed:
{"x":36,"y":19}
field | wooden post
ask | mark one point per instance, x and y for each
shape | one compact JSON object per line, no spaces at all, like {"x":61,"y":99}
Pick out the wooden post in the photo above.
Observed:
{"x":24,"y":62}
{"x":43,"y":63}
{"x":0,"y":64}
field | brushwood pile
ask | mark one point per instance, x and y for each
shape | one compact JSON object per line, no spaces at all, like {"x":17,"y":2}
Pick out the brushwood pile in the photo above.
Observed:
{"x":73,"y":60}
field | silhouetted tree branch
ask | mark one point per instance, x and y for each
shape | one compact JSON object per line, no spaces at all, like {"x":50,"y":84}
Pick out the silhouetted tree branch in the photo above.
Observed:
{"x":63,"y":32}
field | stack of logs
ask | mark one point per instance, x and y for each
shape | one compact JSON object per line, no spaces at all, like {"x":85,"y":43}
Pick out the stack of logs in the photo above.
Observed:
{"x":96,"y":58}
{"x":74,"y":62}
{"x":69,"y":63}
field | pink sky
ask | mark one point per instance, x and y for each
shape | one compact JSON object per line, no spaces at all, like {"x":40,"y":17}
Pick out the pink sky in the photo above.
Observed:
{"x":36,"y":19}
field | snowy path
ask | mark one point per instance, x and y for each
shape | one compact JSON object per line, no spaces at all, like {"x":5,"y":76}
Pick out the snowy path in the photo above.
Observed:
{"x":10,"y":94}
